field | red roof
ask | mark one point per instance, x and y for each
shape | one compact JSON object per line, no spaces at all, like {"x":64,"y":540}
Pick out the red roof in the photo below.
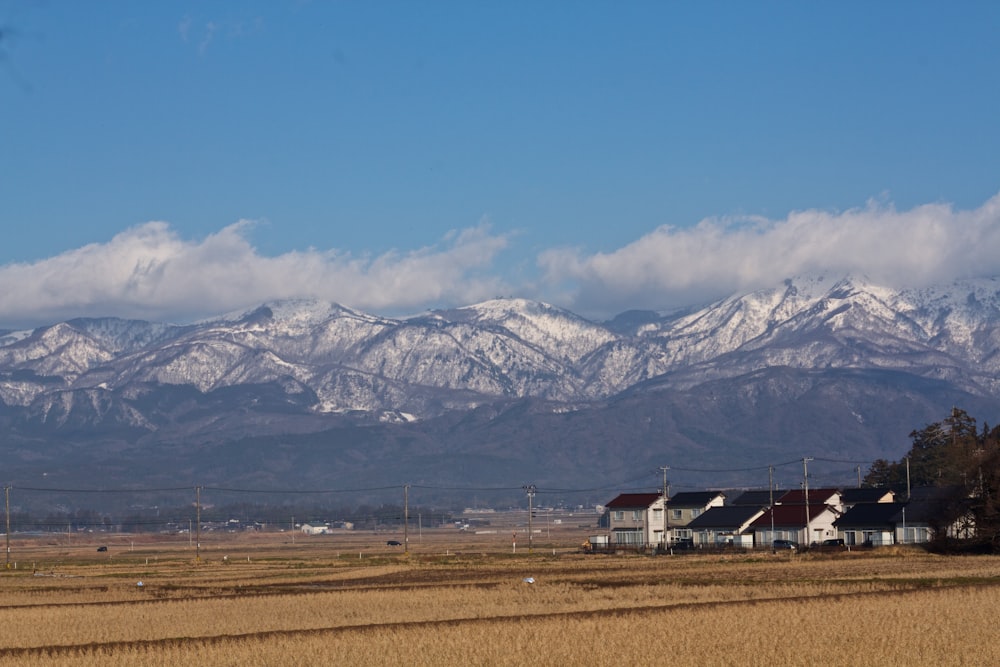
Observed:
{"x":799,"y":496}
{"x":633,"y":500}
{"x":789,"y":515}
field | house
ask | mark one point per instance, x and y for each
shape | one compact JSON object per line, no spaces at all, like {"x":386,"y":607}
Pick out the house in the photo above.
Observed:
{"x":682,"y":508}
{"x":937,"y":511}
{"x":728,"y":525}
{"x":310,"y":529}
{"x":789,"y":522}
{"x":872,"y":524}
{"x":931,"y":511}
{"x":636,"y":519}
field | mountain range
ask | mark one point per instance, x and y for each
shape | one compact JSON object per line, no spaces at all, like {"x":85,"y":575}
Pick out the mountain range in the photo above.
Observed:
{"x":305,"y":394}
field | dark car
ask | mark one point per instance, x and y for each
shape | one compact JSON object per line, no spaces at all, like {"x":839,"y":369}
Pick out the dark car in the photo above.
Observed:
{"x":785,"y":544}
{"x":833,"y":544}
{"x":394,"y":543}
{"x":102,"y":548}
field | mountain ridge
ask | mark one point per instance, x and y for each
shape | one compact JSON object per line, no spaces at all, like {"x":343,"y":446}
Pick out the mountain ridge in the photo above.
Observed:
{"x":290,"y":368}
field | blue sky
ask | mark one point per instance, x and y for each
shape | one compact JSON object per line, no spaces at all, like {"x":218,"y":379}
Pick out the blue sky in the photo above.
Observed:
{"x":174,"y":160}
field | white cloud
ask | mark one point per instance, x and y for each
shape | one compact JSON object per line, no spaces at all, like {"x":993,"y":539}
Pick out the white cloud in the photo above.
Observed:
{"x":149,"y":272}
{"x":673,"y":267}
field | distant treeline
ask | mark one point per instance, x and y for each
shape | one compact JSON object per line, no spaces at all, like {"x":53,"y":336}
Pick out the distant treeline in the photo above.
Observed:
{"x":237,"y":516}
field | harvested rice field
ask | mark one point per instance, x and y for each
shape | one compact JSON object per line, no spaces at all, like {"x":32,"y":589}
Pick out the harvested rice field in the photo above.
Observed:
{"x":459,"y":599}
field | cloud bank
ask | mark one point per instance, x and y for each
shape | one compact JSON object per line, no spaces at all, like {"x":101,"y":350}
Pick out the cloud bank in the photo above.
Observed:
{"x":149,"y":272}
{"x":671,"y":268}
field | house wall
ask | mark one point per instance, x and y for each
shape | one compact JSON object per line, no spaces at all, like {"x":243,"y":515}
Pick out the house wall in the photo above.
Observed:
{"x":638,"y":526}
{"x":765,"y":537}
{"x":820,"y":528}
{"x":683,"y":515}
{"x":720,"y":537}
{"x":913,"y":534}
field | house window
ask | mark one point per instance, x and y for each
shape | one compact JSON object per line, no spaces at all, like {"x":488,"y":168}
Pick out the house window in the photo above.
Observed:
{"x":619,"y":515}
{"x":637,"y":515}
{"x":658,"y":515}
{"x":676,"y":514}
{"x":628,"y":537}
{"x":695,"y":513}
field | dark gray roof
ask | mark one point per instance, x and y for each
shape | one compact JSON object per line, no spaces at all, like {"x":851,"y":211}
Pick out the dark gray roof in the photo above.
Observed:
{"x":693,"y":498}
{"x":928,"y":493}
{"x":724,"y":517}
{"x":870,"y":515}
{"x":757,"y":497}
{"x":864,"y":495}
{"x":633,"y":501}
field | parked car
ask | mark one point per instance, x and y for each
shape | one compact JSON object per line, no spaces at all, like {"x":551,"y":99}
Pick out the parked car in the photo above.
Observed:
{"x":394,"y":543}
{"x":102,"y":548}
{"x":785,"y":544}
{"x":684,"y":544}
{"x":832,"y":544}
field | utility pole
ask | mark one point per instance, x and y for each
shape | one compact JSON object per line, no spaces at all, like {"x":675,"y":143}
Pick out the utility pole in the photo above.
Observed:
{"x":406,"y":518}
{"x":530,"y":490}
{"x":907,"y":478}
{"x":197,"y":524}
{"x":805,"y":486}
{"x":770,"y":488}
{"x":6,"y":501}
{"x":666,"y":514}
{"x":859,"y":476}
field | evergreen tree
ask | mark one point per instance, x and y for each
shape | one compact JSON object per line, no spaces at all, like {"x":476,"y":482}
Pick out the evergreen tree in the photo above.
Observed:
{"x":951,"y":453}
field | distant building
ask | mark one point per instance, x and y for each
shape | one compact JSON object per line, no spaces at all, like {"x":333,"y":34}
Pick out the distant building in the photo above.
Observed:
{"x":636,"y":519}
{"x":683,"y":508}
{"x":725,"y":526}
{"x":310,"y":529}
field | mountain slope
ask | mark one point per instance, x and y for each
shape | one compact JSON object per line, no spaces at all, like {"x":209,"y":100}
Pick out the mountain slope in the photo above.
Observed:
{"x":751,"y":374}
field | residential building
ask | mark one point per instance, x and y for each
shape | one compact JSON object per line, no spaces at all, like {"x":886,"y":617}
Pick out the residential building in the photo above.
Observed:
{"x":725,"y":526}
{"x":636,"y":519}
{"x":789,"y":522}
{"x":938,"y":511}
{"x":872,"y":524}
{"x":682,"y":508}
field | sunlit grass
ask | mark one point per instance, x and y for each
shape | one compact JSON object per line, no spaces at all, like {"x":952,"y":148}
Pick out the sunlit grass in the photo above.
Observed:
{"x":902,"y":607}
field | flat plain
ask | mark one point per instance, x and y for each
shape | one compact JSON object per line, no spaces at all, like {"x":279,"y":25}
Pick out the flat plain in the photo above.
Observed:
{"x":455,"y":597}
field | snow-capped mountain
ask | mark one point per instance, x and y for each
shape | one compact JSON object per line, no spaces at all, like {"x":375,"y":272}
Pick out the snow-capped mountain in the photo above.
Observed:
{"x":285,"y":367}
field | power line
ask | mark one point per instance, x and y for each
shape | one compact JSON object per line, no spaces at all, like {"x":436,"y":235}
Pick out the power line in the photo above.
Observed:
{"x":433,"y":487}
{"x":298,"y":491}
{"x":36,"y":489}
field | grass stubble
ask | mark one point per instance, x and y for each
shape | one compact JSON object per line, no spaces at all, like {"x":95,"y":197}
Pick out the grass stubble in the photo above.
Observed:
{"x":893,"y":607}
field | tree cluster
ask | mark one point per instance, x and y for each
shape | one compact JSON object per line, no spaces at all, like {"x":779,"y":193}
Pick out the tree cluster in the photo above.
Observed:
{"x":951,"y":453}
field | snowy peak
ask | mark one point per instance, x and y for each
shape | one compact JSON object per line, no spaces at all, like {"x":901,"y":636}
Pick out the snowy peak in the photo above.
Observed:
{"x":504,"y":349}
{"x":559,"y":332}
{"x":292,"y":316}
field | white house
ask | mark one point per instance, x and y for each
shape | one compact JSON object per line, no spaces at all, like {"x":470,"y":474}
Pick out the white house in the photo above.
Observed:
{"x":636,"y":519}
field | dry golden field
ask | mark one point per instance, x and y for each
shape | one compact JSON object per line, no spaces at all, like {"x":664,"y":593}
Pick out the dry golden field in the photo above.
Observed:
{"x":457,"y":598}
